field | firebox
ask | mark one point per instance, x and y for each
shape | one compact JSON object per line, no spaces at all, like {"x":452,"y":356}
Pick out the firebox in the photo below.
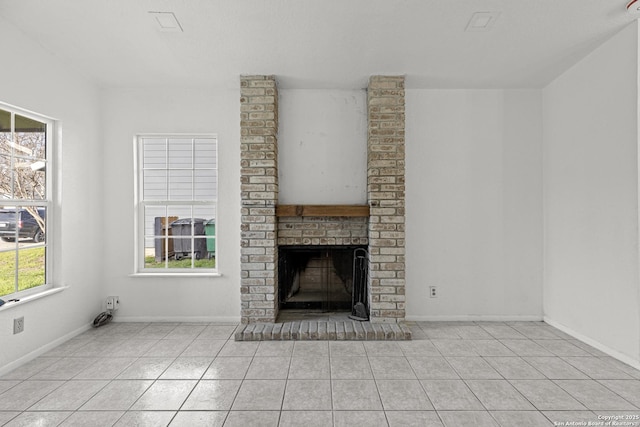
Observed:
{"x":323,"y":278}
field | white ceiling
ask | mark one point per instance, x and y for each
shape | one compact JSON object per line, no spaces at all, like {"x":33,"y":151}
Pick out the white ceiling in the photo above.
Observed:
{"x":319,"y":43}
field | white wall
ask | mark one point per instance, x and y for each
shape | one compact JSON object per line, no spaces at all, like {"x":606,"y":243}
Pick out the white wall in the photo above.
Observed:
{"x":591,"y":284}
{"x":322,"y":147}
{"x":474,"y":204}
{"x":35,"y":80}
{"x":128,"y":112}
{"x":473,"y":195}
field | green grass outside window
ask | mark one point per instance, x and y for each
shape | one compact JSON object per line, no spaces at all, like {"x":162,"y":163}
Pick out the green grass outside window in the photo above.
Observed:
{"x":31,"y":262}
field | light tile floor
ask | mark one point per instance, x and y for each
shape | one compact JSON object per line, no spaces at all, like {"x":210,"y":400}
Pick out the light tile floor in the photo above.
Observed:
{"x":452,"y":374}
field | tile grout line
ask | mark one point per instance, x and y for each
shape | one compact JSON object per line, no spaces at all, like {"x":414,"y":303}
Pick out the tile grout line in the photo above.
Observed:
{"x":197,"y":382}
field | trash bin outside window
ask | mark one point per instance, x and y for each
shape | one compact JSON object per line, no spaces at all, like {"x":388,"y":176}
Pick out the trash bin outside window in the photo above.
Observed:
{"x":210,"y":231}
{"x":181,"y":231}
{"x":161,"y":227}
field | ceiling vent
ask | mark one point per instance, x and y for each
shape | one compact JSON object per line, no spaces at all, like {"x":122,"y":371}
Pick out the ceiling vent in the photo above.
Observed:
{"x":482,"y":21}
{"x":166,"y":22}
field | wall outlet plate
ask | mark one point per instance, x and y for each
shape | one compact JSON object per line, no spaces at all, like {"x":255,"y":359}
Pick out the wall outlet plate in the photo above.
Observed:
{"x":433,"y":292}
{"x":113,"y":303}
{"x":18,"y":325}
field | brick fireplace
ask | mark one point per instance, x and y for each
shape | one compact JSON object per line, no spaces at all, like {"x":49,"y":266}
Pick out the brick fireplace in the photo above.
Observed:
{"x":265,"y":226}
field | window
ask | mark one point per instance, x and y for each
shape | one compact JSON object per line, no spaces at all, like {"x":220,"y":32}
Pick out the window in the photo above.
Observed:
{"x":25,"y":201}
{"x":176,"y":191}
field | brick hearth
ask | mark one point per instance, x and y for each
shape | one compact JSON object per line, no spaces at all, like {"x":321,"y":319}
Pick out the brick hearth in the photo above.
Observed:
{"x":323,"y":331}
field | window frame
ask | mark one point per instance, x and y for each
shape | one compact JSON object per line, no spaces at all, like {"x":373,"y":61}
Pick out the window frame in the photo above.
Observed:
{"x":51,"y":196}
{"x":140,"y":204}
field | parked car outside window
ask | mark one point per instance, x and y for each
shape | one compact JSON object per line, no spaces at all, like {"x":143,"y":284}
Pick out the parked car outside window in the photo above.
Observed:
{"x":26,"y":224}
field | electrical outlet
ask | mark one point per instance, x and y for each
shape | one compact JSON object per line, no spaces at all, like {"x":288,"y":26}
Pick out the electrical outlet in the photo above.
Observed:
{"x":113,"y":303}
{"x":433,"y":292}
{"x":18,"y":325}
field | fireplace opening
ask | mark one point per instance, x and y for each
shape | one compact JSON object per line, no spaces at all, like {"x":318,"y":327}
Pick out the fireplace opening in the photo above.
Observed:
{"x":323,"y":279}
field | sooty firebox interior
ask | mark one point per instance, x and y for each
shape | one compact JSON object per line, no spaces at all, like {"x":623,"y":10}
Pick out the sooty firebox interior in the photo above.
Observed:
{"x":325,"y":278}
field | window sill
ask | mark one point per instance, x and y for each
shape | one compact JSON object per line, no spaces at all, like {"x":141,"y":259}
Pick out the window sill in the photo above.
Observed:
{"x":33,"y":297}
{"x":176,"y":274}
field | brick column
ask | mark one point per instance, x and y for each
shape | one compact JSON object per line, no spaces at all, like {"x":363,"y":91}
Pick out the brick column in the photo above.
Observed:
{"x":259,"y":186}
{"x":385,"y":188}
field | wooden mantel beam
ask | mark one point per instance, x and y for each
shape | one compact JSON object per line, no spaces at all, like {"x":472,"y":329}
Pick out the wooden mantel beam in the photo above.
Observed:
{"x":323,"y":210}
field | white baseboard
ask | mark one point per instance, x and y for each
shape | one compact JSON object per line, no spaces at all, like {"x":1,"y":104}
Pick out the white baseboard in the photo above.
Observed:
{"x":603,"y":348}
{"x":178,"y":319}
{"x":475,"y":318}
{"x":42,"y":350}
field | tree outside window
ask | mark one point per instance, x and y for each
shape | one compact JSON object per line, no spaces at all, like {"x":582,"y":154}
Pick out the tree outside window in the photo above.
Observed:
{"x":24,"y":200}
